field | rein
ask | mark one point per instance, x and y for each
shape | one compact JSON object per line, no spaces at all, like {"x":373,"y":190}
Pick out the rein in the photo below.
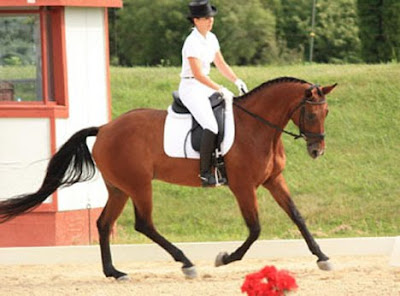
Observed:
{"x":301,"y":106}
{"x":266,"y":122}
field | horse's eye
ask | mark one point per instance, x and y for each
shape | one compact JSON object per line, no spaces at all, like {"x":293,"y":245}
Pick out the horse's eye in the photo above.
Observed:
{"x":311,"y":116}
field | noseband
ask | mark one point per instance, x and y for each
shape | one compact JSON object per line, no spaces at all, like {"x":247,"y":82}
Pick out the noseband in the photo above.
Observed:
{"x":302,"y":106}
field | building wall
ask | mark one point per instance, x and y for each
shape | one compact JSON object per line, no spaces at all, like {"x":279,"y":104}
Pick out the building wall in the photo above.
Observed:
{"x":31,"y":133}
{"x":25,"y":143}
{"x":87,"y":89}
{"x":24,"y":154}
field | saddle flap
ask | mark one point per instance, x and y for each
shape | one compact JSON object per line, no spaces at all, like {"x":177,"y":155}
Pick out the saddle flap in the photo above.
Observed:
{"x":197,"y":131}
{"x":218,"y":106}
{"x":216,"y":99}
{"x":178,"y":127}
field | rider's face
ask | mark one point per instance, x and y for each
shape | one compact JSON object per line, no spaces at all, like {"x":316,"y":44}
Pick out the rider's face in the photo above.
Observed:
{"x":204,"y":24}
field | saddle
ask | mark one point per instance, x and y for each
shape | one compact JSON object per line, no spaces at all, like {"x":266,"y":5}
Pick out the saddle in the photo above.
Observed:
{"x":218,"y":106}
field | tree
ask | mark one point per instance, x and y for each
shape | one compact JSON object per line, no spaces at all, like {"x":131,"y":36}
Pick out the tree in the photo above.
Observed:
{"x":391,"y":15}
{"x":260,"y":31}
{"x":379,"y":30}
{"x":18,"y":37}
{"x":246,"y":32}
{"x":153,"y":34}
{"x":337,"y":32}
{"x":336,"y":29}
{"x":294,"y":22}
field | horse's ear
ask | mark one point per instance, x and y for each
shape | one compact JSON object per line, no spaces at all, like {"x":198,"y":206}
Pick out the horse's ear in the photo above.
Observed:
{"x":308,"y":93}
{"x":327,"y":89}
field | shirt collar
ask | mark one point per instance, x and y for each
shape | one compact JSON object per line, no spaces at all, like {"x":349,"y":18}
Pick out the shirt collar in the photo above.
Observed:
{"x":198,"y":34}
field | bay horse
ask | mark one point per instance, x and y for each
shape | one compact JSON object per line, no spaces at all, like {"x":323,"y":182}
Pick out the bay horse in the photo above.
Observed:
{"x":129,"y":153}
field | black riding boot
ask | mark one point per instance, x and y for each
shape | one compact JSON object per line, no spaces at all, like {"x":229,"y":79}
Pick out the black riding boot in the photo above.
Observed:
{"x":207,"y":147}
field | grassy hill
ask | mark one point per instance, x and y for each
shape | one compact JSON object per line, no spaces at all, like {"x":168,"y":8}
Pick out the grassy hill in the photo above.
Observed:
{"x":353,"y":190}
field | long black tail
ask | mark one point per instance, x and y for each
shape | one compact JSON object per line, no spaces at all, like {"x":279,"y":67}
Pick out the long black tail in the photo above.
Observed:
{"x":72,"y":163}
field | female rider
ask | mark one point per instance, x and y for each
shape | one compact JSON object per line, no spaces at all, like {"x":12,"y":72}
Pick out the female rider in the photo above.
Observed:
{"x":201,"y":48}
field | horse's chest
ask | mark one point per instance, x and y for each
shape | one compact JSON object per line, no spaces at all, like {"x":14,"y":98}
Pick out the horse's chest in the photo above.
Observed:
{"x":274,"y":162}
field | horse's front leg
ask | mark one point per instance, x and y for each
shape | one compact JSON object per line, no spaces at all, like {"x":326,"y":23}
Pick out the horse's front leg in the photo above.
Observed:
{"x":247,"y":201}
{"x":280,"y":192}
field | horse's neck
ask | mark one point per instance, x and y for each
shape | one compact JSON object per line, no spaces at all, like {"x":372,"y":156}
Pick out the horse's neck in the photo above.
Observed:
{"x":256,"y":137}
{"x":275,"y":103}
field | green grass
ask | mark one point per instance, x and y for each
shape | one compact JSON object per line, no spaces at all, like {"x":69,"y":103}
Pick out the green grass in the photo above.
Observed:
{"x":24,"y":91}
{"x":353,"y":190}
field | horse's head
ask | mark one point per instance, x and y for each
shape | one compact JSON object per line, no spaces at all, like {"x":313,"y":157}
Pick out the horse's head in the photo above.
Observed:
{"x":309,"y":115}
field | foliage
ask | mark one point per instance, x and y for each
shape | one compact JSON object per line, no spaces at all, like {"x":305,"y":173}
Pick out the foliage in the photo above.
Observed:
{"x":258,"y":33}
{"x":150,"y":36}
{"x":294,"y":24}
{"x":337,"y":32}
{"x":233,"y":25}
{"x":352,"y":190}
{"x":336,"y":29}
{"x":379,"y":30}
{"x":18,"y":37}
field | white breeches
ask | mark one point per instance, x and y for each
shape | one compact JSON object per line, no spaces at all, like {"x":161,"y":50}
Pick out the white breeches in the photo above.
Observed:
{"x":194,"y":95}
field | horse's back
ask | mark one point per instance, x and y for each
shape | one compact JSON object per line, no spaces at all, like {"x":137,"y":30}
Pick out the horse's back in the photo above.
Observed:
{"x":134,"y":125}
{"x":136,"y":119}
{"x":134,"y":136}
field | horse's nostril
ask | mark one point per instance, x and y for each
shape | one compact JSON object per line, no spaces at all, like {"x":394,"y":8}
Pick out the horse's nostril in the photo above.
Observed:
{"x":315,"y":153}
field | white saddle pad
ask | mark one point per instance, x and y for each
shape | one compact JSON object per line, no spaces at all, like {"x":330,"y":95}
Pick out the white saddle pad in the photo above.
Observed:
{"x":176,"y":138}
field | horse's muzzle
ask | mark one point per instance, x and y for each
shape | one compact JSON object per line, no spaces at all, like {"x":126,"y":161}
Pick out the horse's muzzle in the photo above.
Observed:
{"x":315,"y":149}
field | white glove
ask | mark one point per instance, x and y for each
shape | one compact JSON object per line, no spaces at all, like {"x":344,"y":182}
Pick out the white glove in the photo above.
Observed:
{"x":227,"y":95}
{"x":242,"y":87}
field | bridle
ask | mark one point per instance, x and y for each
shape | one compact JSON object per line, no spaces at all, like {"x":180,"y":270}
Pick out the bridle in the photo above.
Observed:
{"x":302,"y":107}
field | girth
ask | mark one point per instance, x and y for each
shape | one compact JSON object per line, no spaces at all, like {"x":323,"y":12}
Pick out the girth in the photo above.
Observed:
{"x":218,"y":106}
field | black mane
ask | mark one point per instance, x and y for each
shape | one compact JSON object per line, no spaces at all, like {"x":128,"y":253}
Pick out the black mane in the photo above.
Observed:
{"x":271,"y":82}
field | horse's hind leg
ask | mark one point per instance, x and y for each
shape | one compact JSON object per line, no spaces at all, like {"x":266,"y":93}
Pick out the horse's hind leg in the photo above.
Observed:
{"x":115,"y":204}
{"x":280,"y":192}
{"x":142,"y":199}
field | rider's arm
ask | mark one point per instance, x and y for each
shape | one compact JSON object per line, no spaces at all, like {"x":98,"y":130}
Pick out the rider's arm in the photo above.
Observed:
{"x":223,"y":67}
{"x":195,"y":65}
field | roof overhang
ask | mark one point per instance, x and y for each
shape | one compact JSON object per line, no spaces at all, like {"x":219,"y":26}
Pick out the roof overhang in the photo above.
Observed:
{"x":81,"y":3}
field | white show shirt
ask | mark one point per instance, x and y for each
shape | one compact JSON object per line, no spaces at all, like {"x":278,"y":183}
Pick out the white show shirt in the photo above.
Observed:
{"x":200,"y":47}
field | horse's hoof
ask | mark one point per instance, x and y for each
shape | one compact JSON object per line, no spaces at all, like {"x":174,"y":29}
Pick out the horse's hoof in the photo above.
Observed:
{"x":189,"y":272}
{"x":325,"y":265}
{"x":123,"y":278}
{"x":219,"y":261}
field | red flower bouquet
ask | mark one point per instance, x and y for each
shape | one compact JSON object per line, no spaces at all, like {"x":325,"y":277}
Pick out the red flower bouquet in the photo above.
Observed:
{"x":268,"y":282}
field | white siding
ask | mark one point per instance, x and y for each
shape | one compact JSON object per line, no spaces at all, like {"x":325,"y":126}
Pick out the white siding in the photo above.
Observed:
{"x":87,"y":92}
{"x":24,"y":154}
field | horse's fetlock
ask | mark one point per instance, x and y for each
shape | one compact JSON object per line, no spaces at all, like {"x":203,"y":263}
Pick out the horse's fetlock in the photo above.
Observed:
{"x":179,"y":256}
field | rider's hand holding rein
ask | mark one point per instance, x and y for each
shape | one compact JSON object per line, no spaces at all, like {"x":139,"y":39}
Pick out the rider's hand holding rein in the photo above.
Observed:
{"x":242,"y":87}
{"x":224,"y":69}
{"x":227,"y":71}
